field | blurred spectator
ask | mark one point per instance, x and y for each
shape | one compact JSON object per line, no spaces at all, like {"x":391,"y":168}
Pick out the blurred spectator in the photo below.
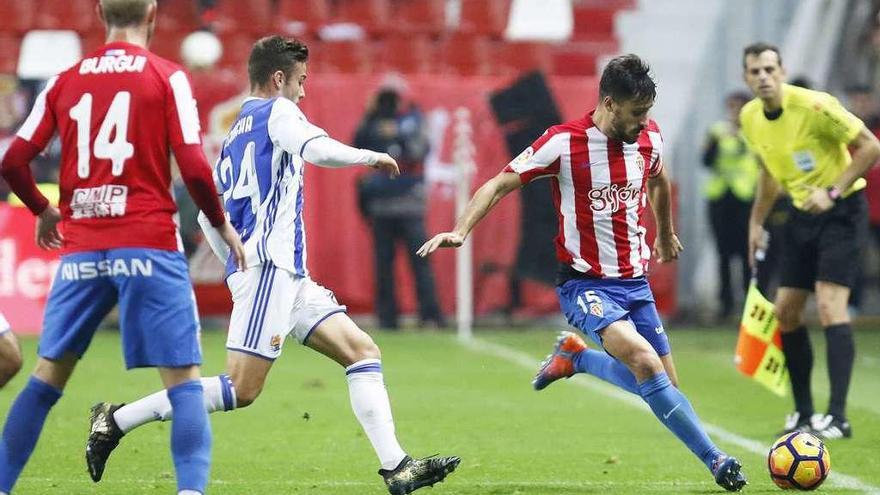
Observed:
{"x":395,"y":208}
{"x":730,"y":190}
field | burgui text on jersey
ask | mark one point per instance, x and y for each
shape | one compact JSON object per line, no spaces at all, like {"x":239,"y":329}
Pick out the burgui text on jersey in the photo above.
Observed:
{"x":113,"y":64}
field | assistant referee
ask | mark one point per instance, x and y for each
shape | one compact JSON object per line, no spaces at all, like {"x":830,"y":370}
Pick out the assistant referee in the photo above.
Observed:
{"x":815,"y":151}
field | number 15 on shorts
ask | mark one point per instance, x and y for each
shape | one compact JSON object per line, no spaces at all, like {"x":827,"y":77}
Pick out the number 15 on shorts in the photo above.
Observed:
{"x":591,"y":303}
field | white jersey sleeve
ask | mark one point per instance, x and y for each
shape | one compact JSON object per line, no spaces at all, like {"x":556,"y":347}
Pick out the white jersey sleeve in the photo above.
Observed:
{"x":289,"y":129}
{"x":328,"y":152}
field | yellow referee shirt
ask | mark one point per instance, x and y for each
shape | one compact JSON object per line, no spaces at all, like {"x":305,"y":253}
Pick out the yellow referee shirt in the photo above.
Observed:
{"x":806,"y":144}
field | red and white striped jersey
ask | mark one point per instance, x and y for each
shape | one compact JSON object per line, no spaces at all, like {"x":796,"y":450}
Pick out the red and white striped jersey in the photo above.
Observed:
{"x":600,"y":192}
{"x":120,"y":113}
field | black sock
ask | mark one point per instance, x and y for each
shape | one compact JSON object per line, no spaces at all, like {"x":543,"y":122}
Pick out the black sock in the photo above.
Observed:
{"x":799,"y":361}
{"x":841,"y":354}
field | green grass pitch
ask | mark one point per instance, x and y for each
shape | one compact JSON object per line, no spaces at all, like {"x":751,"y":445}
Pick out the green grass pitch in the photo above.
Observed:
{"x":577,"y":437}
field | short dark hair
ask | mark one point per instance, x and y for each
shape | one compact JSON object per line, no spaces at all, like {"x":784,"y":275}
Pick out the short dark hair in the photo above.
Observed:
{"x":627,"y":77}
{"x":759,"y":48}
{"x":125,"y":13}
{"x":274,"y":53}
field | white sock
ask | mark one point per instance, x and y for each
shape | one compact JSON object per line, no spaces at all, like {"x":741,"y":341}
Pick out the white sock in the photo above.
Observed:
{"x":189,"y":492}
{"x":219,"y":395}
{"x":369,"y":400}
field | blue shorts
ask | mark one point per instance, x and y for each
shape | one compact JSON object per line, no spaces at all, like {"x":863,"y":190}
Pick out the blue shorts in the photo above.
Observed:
{"x":157,"y":313}
{"x":590,"y":305}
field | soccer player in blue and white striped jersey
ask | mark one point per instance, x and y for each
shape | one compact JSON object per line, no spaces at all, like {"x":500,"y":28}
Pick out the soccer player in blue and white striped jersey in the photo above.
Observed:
{"x":260,"y":176}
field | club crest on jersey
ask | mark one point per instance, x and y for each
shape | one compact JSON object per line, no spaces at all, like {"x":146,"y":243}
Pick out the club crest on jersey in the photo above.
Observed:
{"x":640,"y":161}
{"x":275,"y":343}
{"x":612,"y":196}
{"x":108,"y":200}
{"x":596,"y":310}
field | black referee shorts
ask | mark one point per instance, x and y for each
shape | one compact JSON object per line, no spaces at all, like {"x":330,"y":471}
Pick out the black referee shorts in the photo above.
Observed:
{"x":825,"y":247}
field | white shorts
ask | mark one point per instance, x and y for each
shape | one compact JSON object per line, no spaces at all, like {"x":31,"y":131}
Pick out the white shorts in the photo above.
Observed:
{"x":269,"y":303}
{"x":4,"y":325}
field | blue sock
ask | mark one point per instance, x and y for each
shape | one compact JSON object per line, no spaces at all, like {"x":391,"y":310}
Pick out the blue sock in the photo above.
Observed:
{"x":601,"y":365}
{"x":22,"y":430}
{"x":674,"y":410}
{"x":190,"y":436}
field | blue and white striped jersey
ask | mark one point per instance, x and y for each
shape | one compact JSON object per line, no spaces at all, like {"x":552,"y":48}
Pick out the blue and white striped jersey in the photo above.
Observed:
{"x":260,"y":175}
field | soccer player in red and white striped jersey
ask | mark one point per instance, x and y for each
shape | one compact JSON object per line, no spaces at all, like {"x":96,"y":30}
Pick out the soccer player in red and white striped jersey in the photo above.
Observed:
{"x":603,"y":169}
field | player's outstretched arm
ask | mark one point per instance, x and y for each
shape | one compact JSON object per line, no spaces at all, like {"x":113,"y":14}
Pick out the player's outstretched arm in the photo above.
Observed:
{"x":666,"y":245}
{"x":325,"y":151}
{"x":487,"y":196}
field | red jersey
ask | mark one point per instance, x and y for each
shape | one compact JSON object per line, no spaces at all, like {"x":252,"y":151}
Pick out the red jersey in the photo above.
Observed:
{"x":120,"y":112}
{"x":600,"y":192}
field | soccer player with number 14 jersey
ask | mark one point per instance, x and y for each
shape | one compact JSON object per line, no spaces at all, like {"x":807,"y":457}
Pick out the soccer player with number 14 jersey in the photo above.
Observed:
{"x":120,"y":112}
{"x":603,"y":168}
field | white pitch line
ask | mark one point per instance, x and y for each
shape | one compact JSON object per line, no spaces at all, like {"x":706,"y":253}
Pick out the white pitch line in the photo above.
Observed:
{"x":837,"y":479}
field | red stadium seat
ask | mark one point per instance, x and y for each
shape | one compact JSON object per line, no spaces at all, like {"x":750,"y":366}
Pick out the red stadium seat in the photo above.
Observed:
{"x":574,"y":62}
{"x":420,"y":16}
{"x":408,"y":54}
{"x":251,"y":16}
{"x":78,"y":15}
{"x":347,"y":57}
{"x":464,"y":54}
{"x":301,"y":17}
{"x":167,"y":44}
{"x":18,"y":16}
{"x":10,"y":44}
{"x":606,"y":4}
{"x":372,"y":15}
{"x":511,"y":58}
{"x":487,"y":17}
{"x":178,"y":15}
{"x":236,"y":50}
{"x":594,"y":23}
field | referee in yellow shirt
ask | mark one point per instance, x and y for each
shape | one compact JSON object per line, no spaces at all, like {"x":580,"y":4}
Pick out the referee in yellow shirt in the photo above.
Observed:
{"x":802,"y":138}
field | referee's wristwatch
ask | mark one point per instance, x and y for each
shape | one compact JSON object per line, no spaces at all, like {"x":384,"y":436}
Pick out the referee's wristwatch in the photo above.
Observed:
{"x":834,"y":193}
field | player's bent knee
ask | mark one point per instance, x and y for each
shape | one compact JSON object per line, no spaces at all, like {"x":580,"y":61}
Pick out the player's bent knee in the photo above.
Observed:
{"x":367,"y":350}
{"x":360,"y":347}
{"x":644,"y":364}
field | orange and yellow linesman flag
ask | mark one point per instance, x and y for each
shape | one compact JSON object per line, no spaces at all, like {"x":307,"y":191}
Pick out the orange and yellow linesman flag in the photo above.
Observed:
{"x":759,"y":347}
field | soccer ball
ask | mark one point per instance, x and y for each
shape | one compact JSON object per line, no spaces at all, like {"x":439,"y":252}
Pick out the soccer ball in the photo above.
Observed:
{"x":799,"y":460}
